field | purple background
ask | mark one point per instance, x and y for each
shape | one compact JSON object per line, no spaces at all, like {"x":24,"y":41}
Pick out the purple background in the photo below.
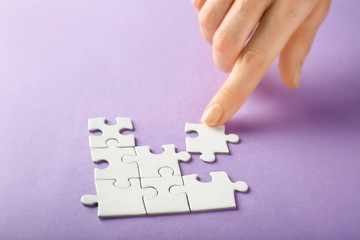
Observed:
{"x":62,"y":62}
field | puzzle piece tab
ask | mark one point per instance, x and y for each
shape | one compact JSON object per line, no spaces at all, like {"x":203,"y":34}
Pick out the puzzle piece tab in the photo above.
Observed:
{"x":117,"y":170}
{"x":111,"y":132}
{"x":165,"y":202}
{"x":210,"y":140}
{"x":214,"y":195}
{"x":118,"y":202}
{"x":149,"y":163}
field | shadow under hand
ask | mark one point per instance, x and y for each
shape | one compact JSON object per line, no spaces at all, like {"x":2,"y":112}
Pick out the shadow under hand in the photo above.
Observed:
{"x":272,"y":106}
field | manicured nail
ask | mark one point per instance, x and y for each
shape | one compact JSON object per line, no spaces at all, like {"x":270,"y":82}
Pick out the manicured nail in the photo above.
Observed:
{"x":212,"y":116}
{"x":297,"y":77}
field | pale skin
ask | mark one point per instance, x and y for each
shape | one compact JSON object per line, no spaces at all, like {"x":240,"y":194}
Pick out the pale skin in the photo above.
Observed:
{"x":283,"y":27}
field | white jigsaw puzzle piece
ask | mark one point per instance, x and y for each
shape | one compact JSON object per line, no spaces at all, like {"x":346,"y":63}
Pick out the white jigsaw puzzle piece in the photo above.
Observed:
{"x":118,"y":202}
{"x":217,"y":194}
{"x":149,"y":163}
{"x":111,"y":132}
{"x":210,"y":140}
{"x":165,"y":202}
{"x":117,"y":170}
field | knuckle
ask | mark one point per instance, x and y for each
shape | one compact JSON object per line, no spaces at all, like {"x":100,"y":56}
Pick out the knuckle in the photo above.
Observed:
{"x":224,"y":41}
{"x":293,"y":8}
{"x":296,"y":8}
{"x":254,"y":58}
{"x":303,"y":44}
{"x":245,"y":4}
{"x":230,"y":95}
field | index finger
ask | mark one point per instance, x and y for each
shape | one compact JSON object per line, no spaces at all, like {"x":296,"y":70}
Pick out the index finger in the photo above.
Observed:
{"x":275,"y":28}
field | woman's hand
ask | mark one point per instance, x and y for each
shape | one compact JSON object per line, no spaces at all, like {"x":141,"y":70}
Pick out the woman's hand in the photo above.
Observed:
{"x":285,"y":27}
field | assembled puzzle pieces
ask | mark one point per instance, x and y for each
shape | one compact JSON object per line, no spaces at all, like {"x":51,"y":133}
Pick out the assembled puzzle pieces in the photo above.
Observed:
{"x":139,"y":182}
{"x":118,"y":202}
{"x":165,"y":202}
{"x":149,"y":163}
{"x":117,"y":170}
{"x":214,"y":195}
{"x":111,"y":132}
{"x":210,"y":140}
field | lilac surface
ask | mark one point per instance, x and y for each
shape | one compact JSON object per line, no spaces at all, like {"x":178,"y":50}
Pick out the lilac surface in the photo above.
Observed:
{"x":62,"y":62}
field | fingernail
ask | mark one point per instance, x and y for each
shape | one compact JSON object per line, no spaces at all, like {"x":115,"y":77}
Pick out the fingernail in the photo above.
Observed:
{"x":297,"y":77}
{"x":212,"y":116}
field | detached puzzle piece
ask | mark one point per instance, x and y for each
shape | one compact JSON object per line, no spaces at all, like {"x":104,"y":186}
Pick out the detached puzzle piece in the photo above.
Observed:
{"x":110,"y":132}
{"x":149,"y":163}
{"x":210,"y":140}
{"x":214,"y":195}
{"x":117,"y":170}
{"x":165,"y":202}
{"x":118,"y":202}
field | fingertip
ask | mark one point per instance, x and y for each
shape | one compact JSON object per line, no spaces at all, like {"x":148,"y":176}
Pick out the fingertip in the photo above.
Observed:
{"x":290,"y":74}
{"x":212,"y":115}
{"x":198,"y":4}
{"x":222,"y":62}
{"x":206,"y":35}
{"x":292,"y":83}
{"x":297,"y":76}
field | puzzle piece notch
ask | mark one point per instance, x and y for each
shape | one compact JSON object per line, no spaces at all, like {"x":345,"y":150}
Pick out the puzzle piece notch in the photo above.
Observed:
{"x":110,"y":132}
{"x":217,"y":194}
{"x":209,"y":141}
{"x":117,"y":170}
{"x":150,"y":163}
{"x":165,"y":202}
{"x":118,"y":202}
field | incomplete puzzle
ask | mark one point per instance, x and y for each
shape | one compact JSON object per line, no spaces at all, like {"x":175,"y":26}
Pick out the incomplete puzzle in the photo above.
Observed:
{"x":138,"y":182}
